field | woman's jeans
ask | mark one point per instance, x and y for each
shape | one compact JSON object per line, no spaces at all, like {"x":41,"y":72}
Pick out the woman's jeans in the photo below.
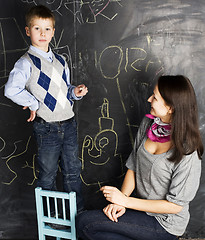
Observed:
{"x":58,"y":146}
{"x":95,"y":225}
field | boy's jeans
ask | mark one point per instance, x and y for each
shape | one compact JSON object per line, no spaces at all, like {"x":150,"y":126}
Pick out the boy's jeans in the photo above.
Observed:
{"x":58,"y":147}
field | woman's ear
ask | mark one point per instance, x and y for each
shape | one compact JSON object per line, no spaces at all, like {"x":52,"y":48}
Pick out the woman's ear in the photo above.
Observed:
{"x":170,"y":110}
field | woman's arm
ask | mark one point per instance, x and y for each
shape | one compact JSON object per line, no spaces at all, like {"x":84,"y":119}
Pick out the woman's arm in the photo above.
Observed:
{"x":113,"y":211}
{"x":153,"y":206}
{"x":128,"y":185}
{"x":126,"y":190}
{"x":115,"y":196}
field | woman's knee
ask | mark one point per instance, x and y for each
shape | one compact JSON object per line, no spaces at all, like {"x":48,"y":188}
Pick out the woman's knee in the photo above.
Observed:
{"x":88,"y":216}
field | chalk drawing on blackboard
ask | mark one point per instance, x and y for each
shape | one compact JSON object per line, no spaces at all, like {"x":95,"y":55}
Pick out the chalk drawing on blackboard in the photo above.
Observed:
{"x":53,"y":5}
{"x":34,"y":170}
{"x":87,"y":11}
{"x":134,"y":57}
{"x":125,"y":112}
{"x":103,"y":8}
{"x":26,"y":164}
{"x":126,"y":59}
{"x":12,"y":173}
{"x":3,"y":144}
{"x":115,"y":54}
{"x":100,"y":152}
{"x":63,"y":50}
{"x":15,"y":148}
{"x":7,"y":41}
{"x":75,"y":8}
{"x":84,"y":11}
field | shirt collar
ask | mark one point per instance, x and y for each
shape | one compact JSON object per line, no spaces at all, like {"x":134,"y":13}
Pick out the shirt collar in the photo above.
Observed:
{"x":48,"y":55}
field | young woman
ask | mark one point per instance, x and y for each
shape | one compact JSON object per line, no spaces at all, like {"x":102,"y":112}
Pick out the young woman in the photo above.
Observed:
{"x":164,"y":168}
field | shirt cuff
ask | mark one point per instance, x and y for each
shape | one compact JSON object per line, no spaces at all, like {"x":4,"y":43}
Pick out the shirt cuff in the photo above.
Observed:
{"x":34,"y":106}
{"x":73,"y":94}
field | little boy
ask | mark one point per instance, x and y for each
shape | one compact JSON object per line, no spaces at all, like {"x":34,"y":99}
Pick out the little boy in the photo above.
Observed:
{"x":40,"y":81}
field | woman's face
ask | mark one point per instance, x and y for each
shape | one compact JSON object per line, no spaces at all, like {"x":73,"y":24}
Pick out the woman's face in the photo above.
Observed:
{"x":159,"y":107}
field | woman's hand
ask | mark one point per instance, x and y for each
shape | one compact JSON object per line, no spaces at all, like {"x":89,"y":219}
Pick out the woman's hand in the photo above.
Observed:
{"x":114,"y":195}
{"x":114,"y":211}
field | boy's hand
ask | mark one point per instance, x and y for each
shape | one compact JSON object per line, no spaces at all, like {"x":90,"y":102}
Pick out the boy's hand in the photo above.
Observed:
{"x":32,"y":115}
{"x":81,"y":90}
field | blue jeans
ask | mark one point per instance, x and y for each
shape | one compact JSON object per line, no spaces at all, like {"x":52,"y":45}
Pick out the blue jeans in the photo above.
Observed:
{"x":94,"y":225}
{"x":58,"y":141}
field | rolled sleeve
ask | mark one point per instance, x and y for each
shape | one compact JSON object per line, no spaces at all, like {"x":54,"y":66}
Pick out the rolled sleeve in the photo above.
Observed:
{"x":131,"y":163}
{"x":185,"y":180}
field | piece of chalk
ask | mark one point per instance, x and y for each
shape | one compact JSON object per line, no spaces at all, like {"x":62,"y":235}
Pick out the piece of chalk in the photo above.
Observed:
{"x":81,"y":88}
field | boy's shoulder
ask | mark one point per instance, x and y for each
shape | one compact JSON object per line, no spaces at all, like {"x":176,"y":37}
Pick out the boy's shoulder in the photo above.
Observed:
{"x":24,"y":56}
{"x":23,"y":59}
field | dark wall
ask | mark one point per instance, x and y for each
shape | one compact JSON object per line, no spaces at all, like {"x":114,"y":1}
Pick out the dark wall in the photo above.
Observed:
{"x":118,"y":48}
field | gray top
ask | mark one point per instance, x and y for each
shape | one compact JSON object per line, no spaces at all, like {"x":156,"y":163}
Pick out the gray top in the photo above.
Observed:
{"x":158,"y":178}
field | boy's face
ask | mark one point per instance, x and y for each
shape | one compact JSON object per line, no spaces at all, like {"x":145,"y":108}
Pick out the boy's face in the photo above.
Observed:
{"x":41,"y":32}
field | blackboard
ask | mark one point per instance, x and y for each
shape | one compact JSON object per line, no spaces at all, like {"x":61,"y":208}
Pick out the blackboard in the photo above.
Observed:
{"x":117,"y":48}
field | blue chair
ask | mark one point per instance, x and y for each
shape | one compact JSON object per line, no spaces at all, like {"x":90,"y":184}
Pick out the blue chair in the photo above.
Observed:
{"x":61,"y":201}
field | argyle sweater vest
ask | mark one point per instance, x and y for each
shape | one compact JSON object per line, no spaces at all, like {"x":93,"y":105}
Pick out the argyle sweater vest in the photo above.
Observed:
{"x":48,"y":85}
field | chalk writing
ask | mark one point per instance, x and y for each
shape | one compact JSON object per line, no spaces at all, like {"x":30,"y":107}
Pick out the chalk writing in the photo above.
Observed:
{"x":135,"y":58}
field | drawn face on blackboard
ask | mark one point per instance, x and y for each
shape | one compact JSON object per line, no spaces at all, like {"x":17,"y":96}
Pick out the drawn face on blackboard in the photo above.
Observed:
{"x":41,"y":32}
{"x":158,"y":106}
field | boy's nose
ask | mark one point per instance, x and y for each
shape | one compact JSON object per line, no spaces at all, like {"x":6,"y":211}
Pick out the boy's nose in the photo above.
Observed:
{"x":43,"y":33}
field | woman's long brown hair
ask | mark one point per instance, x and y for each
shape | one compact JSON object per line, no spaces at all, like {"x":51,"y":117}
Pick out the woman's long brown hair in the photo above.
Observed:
{"x":179,"y":94}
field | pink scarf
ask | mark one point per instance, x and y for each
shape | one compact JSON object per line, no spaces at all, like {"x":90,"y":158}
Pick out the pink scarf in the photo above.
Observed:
{"x":158,"y":131}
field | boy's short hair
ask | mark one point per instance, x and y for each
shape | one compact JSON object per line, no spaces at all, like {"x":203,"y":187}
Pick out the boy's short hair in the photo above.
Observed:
{"x":39,"y":11}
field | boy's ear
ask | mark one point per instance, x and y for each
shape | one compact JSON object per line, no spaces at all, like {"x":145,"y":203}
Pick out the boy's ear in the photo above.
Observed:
{"x":27,"y":31}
